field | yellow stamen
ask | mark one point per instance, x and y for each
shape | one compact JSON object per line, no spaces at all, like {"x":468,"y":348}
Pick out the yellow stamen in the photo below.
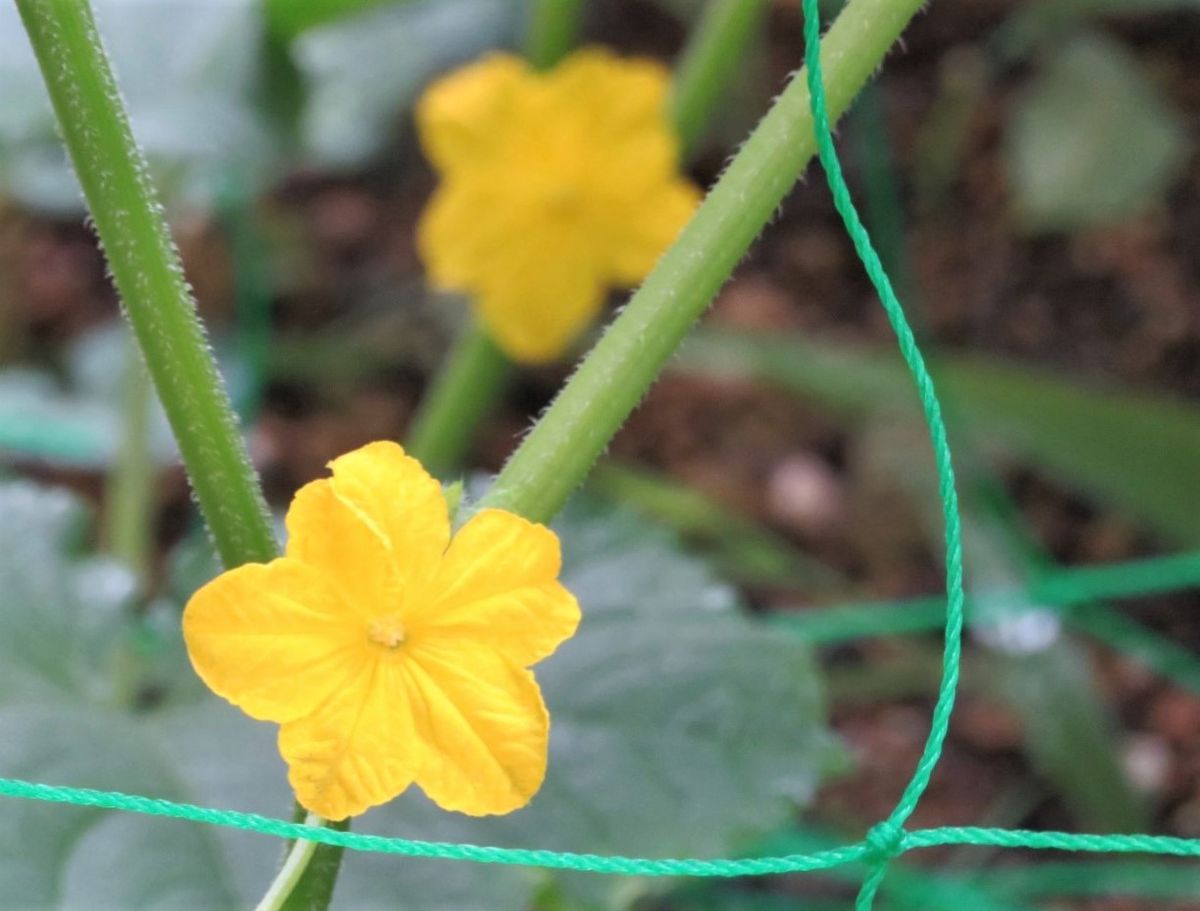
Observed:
{"x":387,"y":631}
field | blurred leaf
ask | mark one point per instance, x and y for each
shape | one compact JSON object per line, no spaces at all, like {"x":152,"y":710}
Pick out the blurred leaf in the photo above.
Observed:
{"x":78,"y":422}
{"x":1092,"y":140}
{"x":189,"y":71}
{"x":64,"y":617}
{"x":364,"y":73}
{"x":739,"y":547}
{"x":1131,"y":451}
{"x":1036,"y":23}
{"x":288,"y":18}
{"x":681,"y":727}
{"x":60,"y":857}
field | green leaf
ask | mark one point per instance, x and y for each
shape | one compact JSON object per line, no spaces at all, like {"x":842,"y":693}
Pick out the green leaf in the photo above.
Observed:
{"x":1130,"y":451}
{"x":64,"y":618}
{"x":288,"y":18}
{"x":740,"y":547}
{"x":77,"y":422}
{"x":60,"y":857}
{"x":680,"y":726}
{"x":189,"y":71}
{"x":1092,"y":140}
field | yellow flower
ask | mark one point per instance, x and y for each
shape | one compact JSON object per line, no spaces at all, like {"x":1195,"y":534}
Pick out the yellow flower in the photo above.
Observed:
{"x":390,"y":652}
{"x":555,"y":187}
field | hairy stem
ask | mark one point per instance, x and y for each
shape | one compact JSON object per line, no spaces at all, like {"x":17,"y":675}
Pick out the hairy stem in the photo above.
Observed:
{"x":565,"y":443}
{"x":477,"y":373}
{"x":147,"y":272}
{"x":146,"y":269}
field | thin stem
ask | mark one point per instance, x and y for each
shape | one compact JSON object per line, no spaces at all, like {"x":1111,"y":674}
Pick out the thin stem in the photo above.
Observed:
{"x":477,"y":372}
{"x":292,"y":870}
{"x":147,"y":272}
{"x":564,"y":445}
{"x":130,"y":495}
{"x":149,"y":278}
{"x":713,"y":55}
{"x":463,"y":392}
{"x":553,"y":30}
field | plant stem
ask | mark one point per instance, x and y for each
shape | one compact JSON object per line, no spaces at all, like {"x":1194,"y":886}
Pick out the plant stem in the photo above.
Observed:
{"x":462,"y":393}
{"x":713,"y":54}
{"x":130,"y":494}
{"x":149,"y":278}
{"x":553,"y":30}
{"x":566,"y":442}
{"x":477,"y":372}
{"x":147,"y":272}
{"x":292,"y":870}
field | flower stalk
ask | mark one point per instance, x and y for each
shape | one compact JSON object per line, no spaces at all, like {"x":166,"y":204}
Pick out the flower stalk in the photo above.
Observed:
{"x":564,"y":445}
{"x":148,"y":274}
{"x":146,"y":269}
{"x":477,"y":373}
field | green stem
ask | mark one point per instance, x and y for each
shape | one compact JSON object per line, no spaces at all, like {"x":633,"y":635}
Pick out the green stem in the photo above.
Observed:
{"x":149,"y":277}
{"x":553,"y":30}
{"x":130,"y":495}
{"x":477,"y":372}
{"x":711,"y":59}
{"x":566,"y":442}
{"x":463,"y":392}
{"x":292,"y":870}
{"x":147,"y":272}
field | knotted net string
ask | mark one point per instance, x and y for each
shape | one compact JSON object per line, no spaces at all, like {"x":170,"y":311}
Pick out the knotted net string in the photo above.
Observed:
{"x":886,"y":840}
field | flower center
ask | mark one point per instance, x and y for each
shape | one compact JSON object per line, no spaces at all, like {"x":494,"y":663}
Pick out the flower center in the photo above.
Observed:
{"x":387,"y":631}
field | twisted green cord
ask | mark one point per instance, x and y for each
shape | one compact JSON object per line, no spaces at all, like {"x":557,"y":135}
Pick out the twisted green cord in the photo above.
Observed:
{"x":595,"y":863}
{"x":886,"y":840}
{"x":887,"y":837}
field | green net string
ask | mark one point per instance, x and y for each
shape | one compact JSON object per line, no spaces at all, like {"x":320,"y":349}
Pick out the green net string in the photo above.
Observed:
{"x":883,"y":842}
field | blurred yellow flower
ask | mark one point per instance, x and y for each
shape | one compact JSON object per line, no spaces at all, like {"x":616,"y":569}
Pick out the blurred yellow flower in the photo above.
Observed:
{"x":390,"y":652}
{"x":555,"y":187}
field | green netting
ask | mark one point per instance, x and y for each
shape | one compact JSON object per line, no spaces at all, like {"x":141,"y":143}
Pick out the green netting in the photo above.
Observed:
{"x":887,"y":839}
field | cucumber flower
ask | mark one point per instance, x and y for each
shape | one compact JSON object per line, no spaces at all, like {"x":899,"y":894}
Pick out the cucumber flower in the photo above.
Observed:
{"x":555,"y":187}
{"x":389,"y":651}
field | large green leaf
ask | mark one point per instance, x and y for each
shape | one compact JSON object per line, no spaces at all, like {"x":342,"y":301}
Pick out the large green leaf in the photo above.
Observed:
{"x":681,"y":726}
{"x":77,"y":421}
{"x":1092,"y":140}
{"x":64,"y":618}
{"x":189,"y":71}
{"x":1133,"y":451}
{"x":61,"y":857}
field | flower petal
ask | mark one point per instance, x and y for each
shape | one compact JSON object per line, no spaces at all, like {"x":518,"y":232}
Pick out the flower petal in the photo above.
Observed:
{"x":485,"y":729}
{"x":328,"y":535}
{"x":620,"y":95}
{"x":358,"y":749}
{"x":274,"y":639}
{"x":461,"y":115}
{"x":399,"y":501}
{"x":455,"y":242}
{"x":648,"y":228}
{"x":498,"y":587}
{"x":538,"y":298}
